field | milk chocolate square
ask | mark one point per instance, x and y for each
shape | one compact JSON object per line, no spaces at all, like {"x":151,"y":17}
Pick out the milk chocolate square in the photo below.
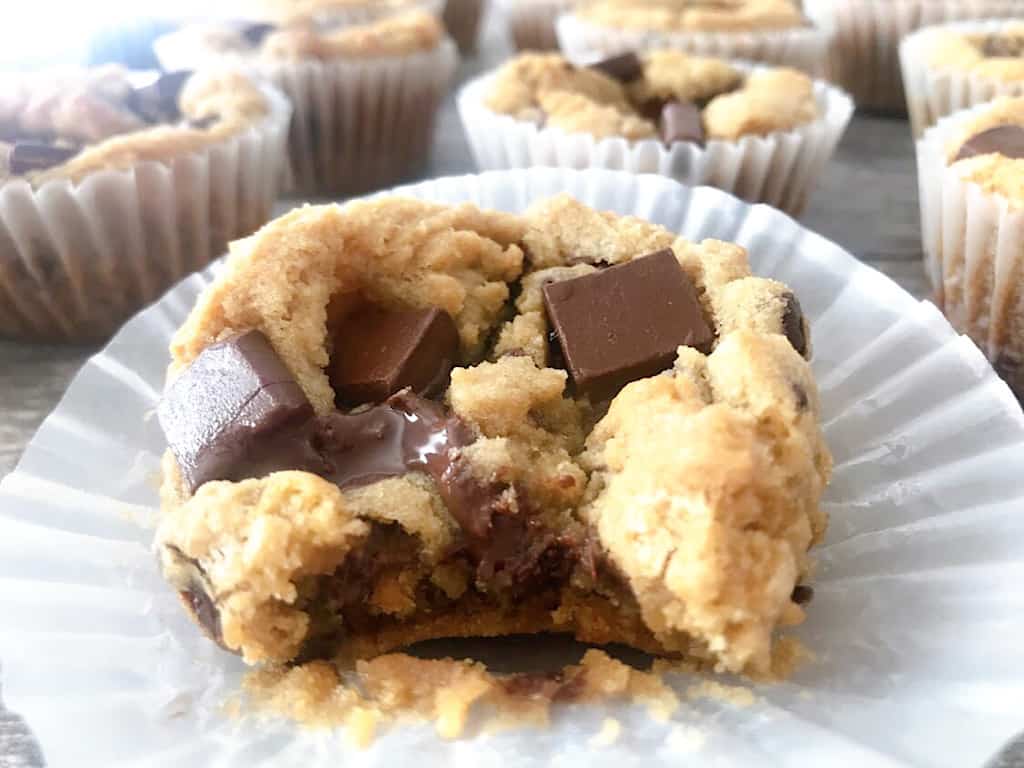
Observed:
{"x":681,"y":121}
{"x":378,"y":352}
{"x":222,"y":410}
{"x":625,"y":322}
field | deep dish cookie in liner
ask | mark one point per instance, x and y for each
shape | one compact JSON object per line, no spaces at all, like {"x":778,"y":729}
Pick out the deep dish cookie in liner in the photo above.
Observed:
{"x":114,"y":184}
{"x":572,"y":422}
{"x":971,"y":182}
{"x":761,"y":133}
{"x":949,"y":67}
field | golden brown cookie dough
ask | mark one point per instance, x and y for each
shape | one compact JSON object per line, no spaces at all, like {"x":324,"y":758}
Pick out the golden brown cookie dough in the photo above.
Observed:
{"x":675,"y":518}
{"x":549,"y":90}
{"x":95,"y":115}
{"x":694,"y":15}
{"x":995,"y":56}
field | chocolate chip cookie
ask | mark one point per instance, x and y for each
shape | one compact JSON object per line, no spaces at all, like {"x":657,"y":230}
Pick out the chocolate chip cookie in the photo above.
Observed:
{"x":400,"y":420}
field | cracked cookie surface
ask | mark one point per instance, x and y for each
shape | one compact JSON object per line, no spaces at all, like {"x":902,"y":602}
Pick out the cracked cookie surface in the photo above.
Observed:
{"x":672,"y":513}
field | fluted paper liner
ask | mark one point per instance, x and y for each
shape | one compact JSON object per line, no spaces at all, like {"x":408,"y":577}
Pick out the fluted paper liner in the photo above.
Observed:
{"x":868,"y":33}
{"x":974,"y":252}
{"x":805,"y":48}
{"x":934,"y":92}
{"x":78,"y":259}
{"x":916,"y":620}
{"x":779,"y":168}
{"x":359,"y":124}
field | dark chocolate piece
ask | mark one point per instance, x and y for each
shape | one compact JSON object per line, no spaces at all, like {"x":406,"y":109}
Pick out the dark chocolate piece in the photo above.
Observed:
{"x":1007,"y":140}
{"x":204,"y":611}
{"x":625,"y":67}
{"x":378,"y":352}
{"x":802,"y":594}
{"x":255,"y":33}
{"x":28,"y":156}
{"x":202,"y":123}
{"x":158,"y":101}
{"x":793,"y":324}
{"x":681,"y":121}
{"x":222,"y":412}
{"x":1003,"y":46}
{"x":625,"y":322}
{"x":1011,"y":370}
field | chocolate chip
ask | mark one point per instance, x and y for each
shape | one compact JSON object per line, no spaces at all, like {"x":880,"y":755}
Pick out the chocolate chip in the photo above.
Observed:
{"x":625,"y":67}
{"x":625,"y":322}
{"x":202,"y":123}
{"x":800,"y":396}
{"x":1003,"y":46}
{"x":1007,"y":140}
{"x":681,"y":121}
{"x":221,"y":412}
{"x":793,"y":324}
{"x":158,"y":101}
{"x":378,"y":352}
{"x":802,"y":594}
{"x":28,"y":156}
{"x":255,"y":33}
{"x":204,"y":612}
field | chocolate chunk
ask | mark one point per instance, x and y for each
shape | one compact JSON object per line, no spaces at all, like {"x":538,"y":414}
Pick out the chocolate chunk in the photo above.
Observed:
{"x":681,"y":121}
{"x":1011,"y":370}
{"x":793,"y":324}
{"x":202,"y":123}
{"x":625,"y":322}
{"x":1003,"y":46}
{"x":1007,"y":140}
{"x":158,"y":101}
{"x":625,"y":67}
{"x":221,"y":413}
{"x":378,"y":352}
{"x":802,"y":594}
{"x":28,"y":156}
{"x":255,"y":33}
{"x":204,"y":612}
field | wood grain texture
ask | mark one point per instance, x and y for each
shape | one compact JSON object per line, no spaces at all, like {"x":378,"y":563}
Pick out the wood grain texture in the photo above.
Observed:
{"x":866,"y":202}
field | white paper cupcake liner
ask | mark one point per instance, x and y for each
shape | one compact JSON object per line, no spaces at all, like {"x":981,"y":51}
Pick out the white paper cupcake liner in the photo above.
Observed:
{"x":932,"y":92}
{"x":779,"y":169}
{"x":805,"y":48}
{"x":358,"y":124}
{"x":462,"y":20}
{"x":76,"y":260}
{"x":868,"y":33}
{"x":531,"y":23}
{"x":974,"y":252}
{"x":916,"y":621}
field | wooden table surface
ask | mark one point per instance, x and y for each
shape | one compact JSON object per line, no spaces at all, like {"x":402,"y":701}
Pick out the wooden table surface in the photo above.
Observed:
{"x":866,"y":202}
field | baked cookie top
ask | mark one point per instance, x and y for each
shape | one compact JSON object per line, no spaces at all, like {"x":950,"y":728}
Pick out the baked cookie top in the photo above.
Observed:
{"x":988,"y":149}
{"x":401,"y":420}
{"x":662,"y":94}
{"x":287,"y":10}
{"x":69,"y":124}
{"x":694,"y":15}
{"x":997,"y":55}
{"x":300,"y":39}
